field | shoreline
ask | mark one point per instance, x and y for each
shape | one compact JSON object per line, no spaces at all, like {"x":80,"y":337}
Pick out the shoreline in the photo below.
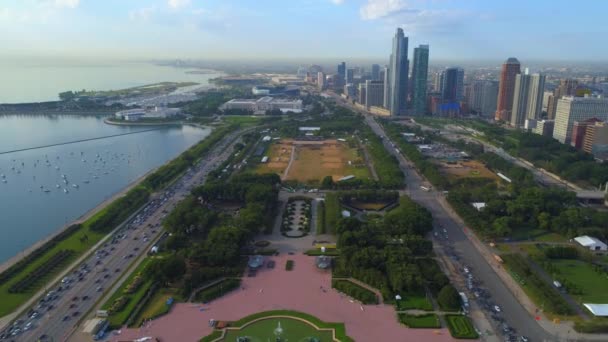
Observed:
{"x":107,"y":121}
{"x":82,"y":218}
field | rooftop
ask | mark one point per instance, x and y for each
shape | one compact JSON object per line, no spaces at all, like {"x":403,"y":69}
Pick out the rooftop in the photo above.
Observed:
{"x":597,"y":309}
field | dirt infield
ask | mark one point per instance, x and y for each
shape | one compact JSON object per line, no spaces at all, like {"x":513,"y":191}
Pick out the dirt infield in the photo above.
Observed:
{"x":314,"y":160}
{"x":464,"y":169}
{"x":304,"y":289}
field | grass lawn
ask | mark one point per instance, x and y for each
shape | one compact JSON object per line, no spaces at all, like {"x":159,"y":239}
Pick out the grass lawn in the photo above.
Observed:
{"x":294,"y":330}
{"x":369,"y":205}
{"x":536,"y":235}
{"x":339,"y":328}
{"x":421,"y":321}
{"x":243,"y":120}
{"x":461,"y":327}
{"x":10,"y":301}
{"x":414,"y":301}
{"x":593,"y":284}
{"x":156,"y":305}
{"x":320,"y":218}
{"x":317,"y":251}
{"x":332,"y":212}
{"x":119,"y":318}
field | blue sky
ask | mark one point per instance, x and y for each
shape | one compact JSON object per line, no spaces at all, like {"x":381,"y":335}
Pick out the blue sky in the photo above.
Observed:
{"x":455,"y":29}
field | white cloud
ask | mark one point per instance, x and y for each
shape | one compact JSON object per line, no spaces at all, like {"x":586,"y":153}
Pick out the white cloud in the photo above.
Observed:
{"x":375,"y":9}
{"x":417,"y":20}
{"x":67,"y":3}
{"x":178,"y":3}
{"x":142,"y":14}
{"x":338,"y":2}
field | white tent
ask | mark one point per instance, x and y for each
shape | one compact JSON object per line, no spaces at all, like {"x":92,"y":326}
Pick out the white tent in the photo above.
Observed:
{"x":598,"y":309}
{"x":591,"y":243}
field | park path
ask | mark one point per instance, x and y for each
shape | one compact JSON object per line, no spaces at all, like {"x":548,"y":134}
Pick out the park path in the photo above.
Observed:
{"x":369,"y":163}
{"x":417,"y":312}
{"x":291,"y":159}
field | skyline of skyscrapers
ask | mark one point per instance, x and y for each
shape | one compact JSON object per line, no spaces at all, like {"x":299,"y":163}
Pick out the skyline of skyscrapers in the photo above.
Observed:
{"x":504,"y":103}
{"x":420,"y":71}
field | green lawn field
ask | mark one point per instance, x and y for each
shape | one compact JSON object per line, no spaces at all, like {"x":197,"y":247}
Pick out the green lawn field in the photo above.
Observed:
{"x":593,"y":284}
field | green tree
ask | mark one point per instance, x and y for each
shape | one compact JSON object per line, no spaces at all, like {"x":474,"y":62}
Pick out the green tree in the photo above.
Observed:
{"x":448,"y":298}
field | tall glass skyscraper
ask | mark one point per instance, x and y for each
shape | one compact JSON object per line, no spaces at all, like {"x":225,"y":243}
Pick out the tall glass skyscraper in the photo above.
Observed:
{"x":452,"y":85}
{"x":341,"y":75}
{"x":398,"y":75}
{"x":420,"y":71}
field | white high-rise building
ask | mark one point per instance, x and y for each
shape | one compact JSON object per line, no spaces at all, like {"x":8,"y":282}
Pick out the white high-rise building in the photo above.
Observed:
{"x":527,"y":98}
{"x":570,"y":109}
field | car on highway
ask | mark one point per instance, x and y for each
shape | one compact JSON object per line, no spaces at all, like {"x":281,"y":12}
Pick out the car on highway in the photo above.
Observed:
{"x":497,"y":308}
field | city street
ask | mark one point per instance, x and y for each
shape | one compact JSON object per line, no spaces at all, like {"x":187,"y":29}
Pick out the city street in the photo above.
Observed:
{"x":513,"y":312}
{"x":61,"y":310}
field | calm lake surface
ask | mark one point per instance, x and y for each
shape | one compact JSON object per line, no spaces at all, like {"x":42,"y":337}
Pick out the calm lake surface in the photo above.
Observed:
{"x":36,"y":200}
{"x":37,"y":80}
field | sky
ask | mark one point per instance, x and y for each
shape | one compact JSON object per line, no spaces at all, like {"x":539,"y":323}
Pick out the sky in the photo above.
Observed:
{"x":262,"y":29}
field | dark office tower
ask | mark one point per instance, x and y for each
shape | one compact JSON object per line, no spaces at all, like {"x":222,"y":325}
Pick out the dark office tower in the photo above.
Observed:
{"x":506,"y":87}
{"x":420,"y":71}
{"x":452,"y":85}
{"x":398,"y":74}
{"x":341,"y":76}
{"x":350,"y":76}
{"x":376,"y":72}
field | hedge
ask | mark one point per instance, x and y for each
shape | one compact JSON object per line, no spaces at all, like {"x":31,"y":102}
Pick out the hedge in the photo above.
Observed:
{"x":420,"y":321}
{"x":218,"y":290}
{"x":355,"y":291}
{"x":461,"y":327}
{"x":289,"y":265}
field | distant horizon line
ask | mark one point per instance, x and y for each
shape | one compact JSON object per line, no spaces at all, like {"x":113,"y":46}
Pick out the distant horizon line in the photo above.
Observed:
{"x":308,"y":59}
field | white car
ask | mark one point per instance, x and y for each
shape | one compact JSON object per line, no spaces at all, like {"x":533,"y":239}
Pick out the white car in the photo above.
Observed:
{"x":496,"y":308}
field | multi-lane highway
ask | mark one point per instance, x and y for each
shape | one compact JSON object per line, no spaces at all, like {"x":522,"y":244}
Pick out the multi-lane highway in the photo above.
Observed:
{"x":59,"y":311}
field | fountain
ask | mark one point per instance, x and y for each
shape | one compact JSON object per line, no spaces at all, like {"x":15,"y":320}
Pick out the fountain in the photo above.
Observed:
{"x":278,"y":332}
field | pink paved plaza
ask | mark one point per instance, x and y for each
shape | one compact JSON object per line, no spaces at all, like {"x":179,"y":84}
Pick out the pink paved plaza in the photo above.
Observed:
{"x":302,"y":290}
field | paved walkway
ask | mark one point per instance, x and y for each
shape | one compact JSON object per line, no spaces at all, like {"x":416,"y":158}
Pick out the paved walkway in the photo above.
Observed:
{"x":305,"y":288}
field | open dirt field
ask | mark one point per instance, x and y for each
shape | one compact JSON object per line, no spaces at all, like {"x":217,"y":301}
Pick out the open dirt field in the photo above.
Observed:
{"x":464,"y":169}
{"x":314,"y":160}
{"x":304,"y":289}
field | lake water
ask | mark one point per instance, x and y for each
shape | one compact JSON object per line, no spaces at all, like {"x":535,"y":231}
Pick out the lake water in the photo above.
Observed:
{"x":37,"y":81}
{"x":100,"y":169}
